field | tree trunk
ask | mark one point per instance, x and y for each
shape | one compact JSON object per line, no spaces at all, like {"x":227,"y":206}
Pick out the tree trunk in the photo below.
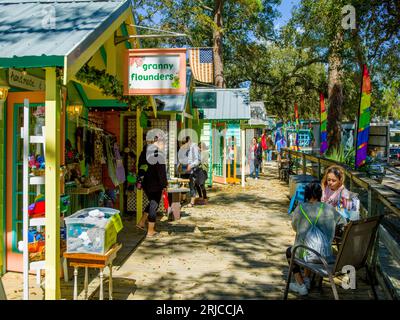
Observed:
{"x":219,"y":78}
{"x":335,"y":95}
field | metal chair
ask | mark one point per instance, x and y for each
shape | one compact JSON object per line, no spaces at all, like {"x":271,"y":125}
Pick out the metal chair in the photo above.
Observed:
{"x":297,"y":197}
{"x":356,"y":245}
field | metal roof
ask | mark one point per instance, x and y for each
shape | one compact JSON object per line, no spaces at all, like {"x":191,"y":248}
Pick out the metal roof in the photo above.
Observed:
{"x":232,"y":104}
{"x":175,"y":103}
{"x":48,"y":31}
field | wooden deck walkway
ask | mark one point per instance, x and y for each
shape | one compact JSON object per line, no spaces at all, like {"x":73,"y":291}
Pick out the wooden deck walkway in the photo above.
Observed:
{"x":233,"y":248}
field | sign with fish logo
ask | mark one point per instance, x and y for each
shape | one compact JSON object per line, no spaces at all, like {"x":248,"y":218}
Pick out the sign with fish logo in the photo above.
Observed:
{"x":155,"y":72}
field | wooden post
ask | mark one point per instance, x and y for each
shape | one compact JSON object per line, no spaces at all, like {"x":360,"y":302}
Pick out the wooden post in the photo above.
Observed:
{"x":25,"y":201}
{"x":243,"y":164}
{"x":234,"y":163}
{"x":351,"y":185}
{"x":121,"y":143}
{"x":373,"y":203}
{"x":139,"y":148}
{"x":52,"y":181}
{"x":370,"y":200}
{"x":172,"y":144}
{"x":319,"y":169}
{"x":224,"y":156}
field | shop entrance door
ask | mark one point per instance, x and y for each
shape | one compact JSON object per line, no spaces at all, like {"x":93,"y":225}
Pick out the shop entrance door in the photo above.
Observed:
{"x":14,"y":165}
{"x":129,"y":141}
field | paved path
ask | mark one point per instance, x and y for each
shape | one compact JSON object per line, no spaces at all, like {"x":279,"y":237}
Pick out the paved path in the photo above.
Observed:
{"x":233,"y":248}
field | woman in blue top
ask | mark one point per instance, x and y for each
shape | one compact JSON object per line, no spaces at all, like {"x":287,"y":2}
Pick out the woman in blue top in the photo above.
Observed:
{"x":281,"y":143}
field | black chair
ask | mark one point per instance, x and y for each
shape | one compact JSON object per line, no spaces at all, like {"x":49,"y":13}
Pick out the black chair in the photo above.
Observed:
{"x":357,"y":242}
{"x":283,"y":170}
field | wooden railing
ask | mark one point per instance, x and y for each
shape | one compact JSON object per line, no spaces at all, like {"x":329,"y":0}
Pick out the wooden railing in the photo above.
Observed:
{"x":385,"y":259}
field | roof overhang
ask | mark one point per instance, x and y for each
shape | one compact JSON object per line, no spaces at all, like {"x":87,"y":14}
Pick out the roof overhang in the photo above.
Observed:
{"x":80,"y":53}
{"x":84,"y":50}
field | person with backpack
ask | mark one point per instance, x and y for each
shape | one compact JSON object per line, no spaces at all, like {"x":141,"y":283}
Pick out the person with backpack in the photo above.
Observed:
{"x":314,"y":223}
{"x":152,"y":179}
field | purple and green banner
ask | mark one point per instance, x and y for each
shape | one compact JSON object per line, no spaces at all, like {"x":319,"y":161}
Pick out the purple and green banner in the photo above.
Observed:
{"x":324,"y":133}
{"x":364,"y":119}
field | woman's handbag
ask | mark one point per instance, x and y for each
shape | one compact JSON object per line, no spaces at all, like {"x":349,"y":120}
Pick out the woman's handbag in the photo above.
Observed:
{"x":352,"y":214}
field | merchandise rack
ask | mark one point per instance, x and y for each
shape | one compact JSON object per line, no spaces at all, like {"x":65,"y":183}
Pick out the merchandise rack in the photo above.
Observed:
{"x":27,"y":181}
{"x":38,"y":181}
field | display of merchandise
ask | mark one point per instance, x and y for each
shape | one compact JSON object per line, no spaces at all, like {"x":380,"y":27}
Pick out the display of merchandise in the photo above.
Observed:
{"x":92,"y":230}
{"x":34,"y":221}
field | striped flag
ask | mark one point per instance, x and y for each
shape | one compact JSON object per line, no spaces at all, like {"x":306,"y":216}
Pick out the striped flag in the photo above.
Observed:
{"x":202,"y":64}
{"x":364,"y":119}
{"x":324,"y":134}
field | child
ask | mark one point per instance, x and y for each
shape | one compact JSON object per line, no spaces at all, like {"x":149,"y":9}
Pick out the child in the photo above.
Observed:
{"x":324,"y":217}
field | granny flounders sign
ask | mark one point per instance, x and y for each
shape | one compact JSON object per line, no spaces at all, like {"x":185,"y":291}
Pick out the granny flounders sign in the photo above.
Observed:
{"x":155,"y":72}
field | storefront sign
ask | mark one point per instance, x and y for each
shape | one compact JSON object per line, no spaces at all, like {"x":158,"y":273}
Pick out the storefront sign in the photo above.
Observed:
{"x":204,"y":100}
{"x":18,"y":79}
{"x":155,"y":72}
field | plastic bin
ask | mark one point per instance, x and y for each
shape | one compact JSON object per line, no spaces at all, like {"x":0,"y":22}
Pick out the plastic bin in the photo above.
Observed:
{"x":295,"y":180}
{"x":86,"y":234}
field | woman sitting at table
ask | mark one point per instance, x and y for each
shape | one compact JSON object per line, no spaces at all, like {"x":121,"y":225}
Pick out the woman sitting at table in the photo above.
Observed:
{"x":336,"y":194}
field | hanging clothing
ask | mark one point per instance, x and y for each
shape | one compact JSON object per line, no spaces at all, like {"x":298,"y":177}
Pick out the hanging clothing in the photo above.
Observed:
{"x":111,"y":163}
{"x":120,"y":170}
{"x":89,"y":142}
{"x":98,"y":146}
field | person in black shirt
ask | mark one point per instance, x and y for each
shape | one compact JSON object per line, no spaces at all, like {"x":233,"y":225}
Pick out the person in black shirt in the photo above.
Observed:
{"x":153,"y":177}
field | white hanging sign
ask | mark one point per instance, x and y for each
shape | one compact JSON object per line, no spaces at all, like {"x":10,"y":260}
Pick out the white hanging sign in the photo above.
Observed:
{"x":155,"y":71}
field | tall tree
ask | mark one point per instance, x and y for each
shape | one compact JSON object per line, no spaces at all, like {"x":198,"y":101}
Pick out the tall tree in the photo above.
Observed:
{"x":227,"y":26}
{"x":217,"y":44}
{"x":320,"y":21}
